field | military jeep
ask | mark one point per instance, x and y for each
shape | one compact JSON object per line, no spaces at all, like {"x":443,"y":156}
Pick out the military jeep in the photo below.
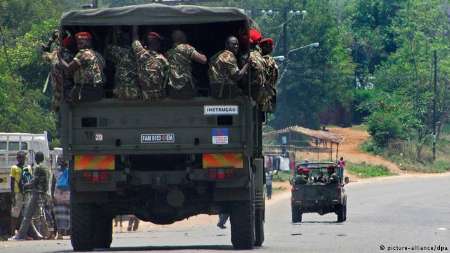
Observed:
{"x":318,"y":188}
{"x":170,"y":159}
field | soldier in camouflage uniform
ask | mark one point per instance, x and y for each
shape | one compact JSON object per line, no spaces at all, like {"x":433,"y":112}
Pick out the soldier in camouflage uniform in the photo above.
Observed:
{"x":257,"y":75}
{"x":180,"y":58}
{"x":271,"y":74}
{"x":152,"y":67}
{"x":121,"y":55}
{"x":87,"y":65}
{"x":58,"y":77}
{"x":224,"y":72}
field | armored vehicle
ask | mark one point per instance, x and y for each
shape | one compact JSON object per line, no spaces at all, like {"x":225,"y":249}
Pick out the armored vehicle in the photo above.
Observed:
{"x":318,"y":188}
{"x":170,"y":159}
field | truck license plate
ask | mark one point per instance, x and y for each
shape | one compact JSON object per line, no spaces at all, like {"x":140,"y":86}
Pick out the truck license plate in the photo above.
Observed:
{"x":157,"y":138}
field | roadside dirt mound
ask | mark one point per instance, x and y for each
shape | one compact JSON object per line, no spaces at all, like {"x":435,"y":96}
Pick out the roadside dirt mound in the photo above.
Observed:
{"x":349,"y":149}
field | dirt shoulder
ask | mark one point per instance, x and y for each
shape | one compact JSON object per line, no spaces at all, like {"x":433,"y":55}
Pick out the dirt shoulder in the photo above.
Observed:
{"x":351,"y":152}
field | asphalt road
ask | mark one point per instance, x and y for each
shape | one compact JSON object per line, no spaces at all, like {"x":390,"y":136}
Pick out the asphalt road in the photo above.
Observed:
{"x":400,"y":212}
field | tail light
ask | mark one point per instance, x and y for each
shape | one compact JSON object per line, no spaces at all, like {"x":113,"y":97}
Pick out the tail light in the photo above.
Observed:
{"x":220,"y":174}
{"x":96,"y":176}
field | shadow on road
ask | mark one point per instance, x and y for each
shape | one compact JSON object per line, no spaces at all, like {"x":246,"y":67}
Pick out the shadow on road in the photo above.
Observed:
{"x":160,"y":248}
{"x":318,"y":222}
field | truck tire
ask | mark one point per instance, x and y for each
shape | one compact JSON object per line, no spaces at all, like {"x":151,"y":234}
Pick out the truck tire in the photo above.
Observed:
{"x":342,"y":213}
{"x":242,"y":221}
{"x":259,"y":227}
{"x":103,"y":232}
{"x":82,"y":223}
{"x":296,"y":214}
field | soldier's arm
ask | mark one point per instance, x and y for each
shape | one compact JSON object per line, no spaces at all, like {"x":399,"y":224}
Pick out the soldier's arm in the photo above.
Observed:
{"x":241,"y":73}
{"x":72,"y":66}
{"x":199,"y":58}
{"x":195,"y":56}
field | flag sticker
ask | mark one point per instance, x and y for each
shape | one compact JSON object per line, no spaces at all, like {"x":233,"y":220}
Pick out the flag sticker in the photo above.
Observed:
{"x":219,"y":136}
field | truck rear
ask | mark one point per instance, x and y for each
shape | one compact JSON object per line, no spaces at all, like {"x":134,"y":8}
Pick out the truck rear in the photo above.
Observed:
{"x":166,"y":160}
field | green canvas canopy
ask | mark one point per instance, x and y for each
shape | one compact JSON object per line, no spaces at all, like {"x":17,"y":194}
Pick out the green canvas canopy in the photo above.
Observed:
{"x":152,"y":14}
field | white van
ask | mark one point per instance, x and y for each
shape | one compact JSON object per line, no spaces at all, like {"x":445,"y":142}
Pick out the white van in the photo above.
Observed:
{"x":11,"y":143}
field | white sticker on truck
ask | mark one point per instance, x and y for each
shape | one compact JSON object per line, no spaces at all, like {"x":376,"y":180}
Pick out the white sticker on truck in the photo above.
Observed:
{"x":221,"y":110}
{"x":158,"y":138}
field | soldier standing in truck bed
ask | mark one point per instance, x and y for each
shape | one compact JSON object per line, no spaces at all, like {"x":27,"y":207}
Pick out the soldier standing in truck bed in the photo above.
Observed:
{"x":153,"y":67}
{"x":122,"y":56}
{"x":87,"y":65}
{"x":257,"y":68}
{"x":58,"y":77}
{"x":271,"y":72}
{"x":180,"y":57}
{"x":224,"y":72}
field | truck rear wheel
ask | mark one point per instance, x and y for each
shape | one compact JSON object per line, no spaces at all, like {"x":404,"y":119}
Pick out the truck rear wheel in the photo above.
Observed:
{"x":242,"y":221}
{"x":342,"y":213}
{"x":82,"y":220}
{"x":296,"y":214}
{"x":259,"y":227}
{"x":103,"y":232}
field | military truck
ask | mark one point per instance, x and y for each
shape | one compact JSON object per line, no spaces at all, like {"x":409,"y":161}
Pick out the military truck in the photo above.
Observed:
{"x":165,"y":160}
{"x":317,"y":187}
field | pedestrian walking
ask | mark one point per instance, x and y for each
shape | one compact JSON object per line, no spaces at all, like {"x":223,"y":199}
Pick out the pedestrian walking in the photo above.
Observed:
{"x":39,"y":185}
{"x":61,"y":197}
{"x":223,"y":218}
{"x":20,"y":175}
{"x":133,"y":223}
{"x":269,"y":177}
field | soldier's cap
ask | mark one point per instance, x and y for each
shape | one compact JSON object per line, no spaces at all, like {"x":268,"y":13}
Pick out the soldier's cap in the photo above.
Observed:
{"x":83,"y":36}
{"x":154,"y":35}
{"x":68,"y":41}
{"x":255,"y":36}
{"x":268,"y":41}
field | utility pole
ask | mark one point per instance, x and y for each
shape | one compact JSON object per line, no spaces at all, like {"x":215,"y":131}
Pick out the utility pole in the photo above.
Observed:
{"x":285,"y":32}
{"x":434,"y":104}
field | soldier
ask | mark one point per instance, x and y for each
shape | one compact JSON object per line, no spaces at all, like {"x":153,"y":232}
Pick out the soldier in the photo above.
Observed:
{"x":59,"y":78}
{"x":224,"y":72}
{"x":257,"y":77}
{"x":180,"y":58}
{"x":271,"y":72}
{"x":121,"y":55}
{"x":153,"y":67}
{"x":87,"y":65}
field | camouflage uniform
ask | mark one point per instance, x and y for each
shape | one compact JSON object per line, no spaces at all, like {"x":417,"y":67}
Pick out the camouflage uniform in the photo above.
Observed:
{"x":271,"y":82}
{"x":153,"y":72}
{"x":91,"y":68}
{"x":125,"y":77}
{"x":58,"y":76}
{"x":257,"y":76}
{"x":180,"y":60}
{"x":223,"y":66}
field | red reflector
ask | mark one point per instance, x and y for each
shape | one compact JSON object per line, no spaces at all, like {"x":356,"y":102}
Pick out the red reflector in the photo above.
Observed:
{"x":96,"y":176}
{"x":220,"y":174}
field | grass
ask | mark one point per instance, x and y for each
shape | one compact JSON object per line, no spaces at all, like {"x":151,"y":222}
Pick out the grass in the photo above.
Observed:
{"x":282,"y":176}
{"x":366,"y":170}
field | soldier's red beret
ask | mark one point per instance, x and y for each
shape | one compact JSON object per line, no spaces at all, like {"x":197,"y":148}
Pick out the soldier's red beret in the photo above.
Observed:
{"x":154,"y":35}
{"x":266,"y":41}
{"x":255,"y":36}
{"x":83,"y":36}
{"x":67,"y":41}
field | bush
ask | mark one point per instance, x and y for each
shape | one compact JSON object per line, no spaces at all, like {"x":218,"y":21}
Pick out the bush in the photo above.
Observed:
{"x":367,"y":170}
{"x":383,"y":127}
